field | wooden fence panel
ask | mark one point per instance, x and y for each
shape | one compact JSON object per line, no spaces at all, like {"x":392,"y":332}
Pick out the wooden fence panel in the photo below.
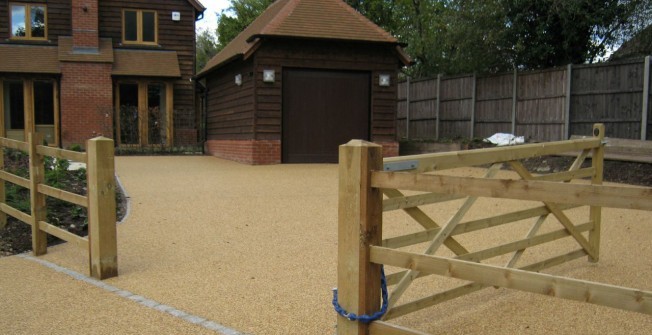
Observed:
{"x":539,"y":105}
{"x":611,"y":93}
{"x":493,"y":105}
{"x":456,"y":107}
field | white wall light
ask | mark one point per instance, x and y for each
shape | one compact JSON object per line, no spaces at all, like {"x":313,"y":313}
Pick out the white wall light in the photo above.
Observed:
{"x":384,"y":80}
{"x":268,"y":76}
{"x":238,"y":79}
{"x":176,"y":16}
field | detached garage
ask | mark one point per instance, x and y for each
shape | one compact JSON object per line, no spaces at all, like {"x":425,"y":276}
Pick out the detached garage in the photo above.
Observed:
{"x":305,"y":77}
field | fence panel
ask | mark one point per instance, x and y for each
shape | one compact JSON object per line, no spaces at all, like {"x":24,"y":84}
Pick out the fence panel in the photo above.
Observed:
{"x":456,"y":107}
{"x":546,"y":105}
{"x":540,"y":105}
{"x":611,"y":93}
{"x":493,"y":105}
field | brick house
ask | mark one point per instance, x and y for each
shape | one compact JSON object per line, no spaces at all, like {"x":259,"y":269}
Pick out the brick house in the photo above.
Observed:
{"x":303,"y":78}
{"x":76,"y":69}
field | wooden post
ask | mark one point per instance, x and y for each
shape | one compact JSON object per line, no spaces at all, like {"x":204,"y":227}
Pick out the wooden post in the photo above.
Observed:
{"x":3,"y":216}
{"x":472,"y":128}
{"x":359,"y":226}
{"x":37,"y":200}
{"x":567,"y":103}
{"x":514,"y":100}
{"x":103,"y":250}
{"x":438,"y":121}
{"x":646,"y":98}
{"x":595,"y":212}
{"x":407,"y":110}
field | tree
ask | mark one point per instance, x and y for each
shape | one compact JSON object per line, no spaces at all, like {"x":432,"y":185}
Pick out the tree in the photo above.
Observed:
{"x":237,"y":17}
{"x":206,"y":46}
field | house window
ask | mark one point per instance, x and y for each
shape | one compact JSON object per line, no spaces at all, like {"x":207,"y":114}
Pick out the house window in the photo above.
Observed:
{"x":29,"y":105}
{"x":144,"y":113}
{"x":139,"y":26}
{"x":28,"y":21}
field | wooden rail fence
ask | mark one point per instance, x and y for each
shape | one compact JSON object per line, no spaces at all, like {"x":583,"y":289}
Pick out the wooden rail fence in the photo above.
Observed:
{"x":365,"y":178}
{"x":101,"y":241}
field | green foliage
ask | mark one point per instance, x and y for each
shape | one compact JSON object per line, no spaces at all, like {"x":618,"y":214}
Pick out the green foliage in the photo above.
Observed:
{"x":206,"y":48}
{"x":76,"y":147}
{"x":237,"y":17}
{"x":485,"y":36}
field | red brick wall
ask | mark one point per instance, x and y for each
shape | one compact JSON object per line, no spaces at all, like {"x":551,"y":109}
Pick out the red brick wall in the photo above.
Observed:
{"x":254,"y":152}
{"x":263,"y":152}
{"x":86,"y":102}
{"x":85,"y":24}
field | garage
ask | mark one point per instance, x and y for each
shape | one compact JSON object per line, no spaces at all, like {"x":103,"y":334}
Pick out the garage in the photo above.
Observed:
{"x":322,"y":110}
{"x":293,"y":86}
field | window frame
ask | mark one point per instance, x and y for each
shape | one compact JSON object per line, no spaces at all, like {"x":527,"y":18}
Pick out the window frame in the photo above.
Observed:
{"x":139,"y":27}
{"x":28,"y":21}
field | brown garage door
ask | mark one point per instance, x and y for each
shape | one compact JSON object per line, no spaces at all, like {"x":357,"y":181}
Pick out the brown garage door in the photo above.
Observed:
{"x":321,"y":110}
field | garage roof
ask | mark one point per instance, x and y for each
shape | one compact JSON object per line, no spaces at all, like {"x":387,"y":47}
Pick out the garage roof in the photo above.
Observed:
{"x":319,"y":19}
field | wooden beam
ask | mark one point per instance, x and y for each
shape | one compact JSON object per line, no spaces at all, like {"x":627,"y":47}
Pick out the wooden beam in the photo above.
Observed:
{"x":103,"y":249}
{"x":73,"y":198}
{"x":384,"y":328}
{"x":595,"y":212}
{"x":531,"y":233}
{"x":459,"y":291}
{"x":62,"y":154}
{"x":555,"y":286}
{"x":469,"y":226}
{"x":3,"y":216}
{"x":606,"y":196}
{"x":26,"y":218}
{"x":438,"y":107}
{"x":567,"y":102}
{"x":443,"y":234}
{"x":521,"y":244}
{"x":37,"y":203}
{"x":13,"y":144}
{"x":557,"y":212}
{"x":64,"y":235}
{"x":646,"y":98}
{"x":449,"y":160}
{"x":514,"y":100}
{"x":359,"y":226}
{"x":426,"y":222}
{"x":395,"y":203}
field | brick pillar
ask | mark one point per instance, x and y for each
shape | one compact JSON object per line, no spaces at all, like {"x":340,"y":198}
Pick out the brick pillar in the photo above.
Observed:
{"x":86,"y":102}
{"x":85,"y":24}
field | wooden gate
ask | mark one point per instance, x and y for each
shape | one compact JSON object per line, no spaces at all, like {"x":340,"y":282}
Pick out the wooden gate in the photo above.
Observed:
{"x":364,"y":178}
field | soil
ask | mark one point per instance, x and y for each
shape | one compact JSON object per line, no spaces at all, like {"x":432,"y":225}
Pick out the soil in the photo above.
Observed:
{"x":16,"y":236}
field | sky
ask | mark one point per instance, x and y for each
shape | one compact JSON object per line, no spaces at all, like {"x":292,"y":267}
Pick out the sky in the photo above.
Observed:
{"x":210,"y":18}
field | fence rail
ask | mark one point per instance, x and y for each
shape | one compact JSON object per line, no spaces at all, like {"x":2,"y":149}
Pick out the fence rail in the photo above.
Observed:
{"x":100,"y":201}
{"x":365,"y":178}
{"x":547,"y":105}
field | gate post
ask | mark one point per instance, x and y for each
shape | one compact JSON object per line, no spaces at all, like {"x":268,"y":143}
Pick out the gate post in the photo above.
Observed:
{"x":359,"y":226}
{"x":595,"y":212}
{"x":103,"y":249}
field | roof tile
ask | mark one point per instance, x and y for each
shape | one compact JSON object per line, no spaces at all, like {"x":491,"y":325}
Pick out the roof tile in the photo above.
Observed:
{"x":319,"y":19}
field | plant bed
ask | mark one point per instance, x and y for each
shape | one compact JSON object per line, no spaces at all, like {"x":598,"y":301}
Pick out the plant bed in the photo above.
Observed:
{"x":15,"y":237}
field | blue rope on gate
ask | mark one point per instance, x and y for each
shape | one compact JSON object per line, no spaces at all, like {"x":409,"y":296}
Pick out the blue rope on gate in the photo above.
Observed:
{"x":365,"y":318}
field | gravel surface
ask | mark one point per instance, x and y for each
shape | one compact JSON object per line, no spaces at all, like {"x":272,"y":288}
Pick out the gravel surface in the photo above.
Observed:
{"x":254,"y":249}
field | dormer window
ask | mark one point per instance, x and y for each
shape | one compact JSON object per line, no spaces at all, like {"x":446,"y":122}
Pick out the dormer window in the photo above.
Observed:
{"x":139,"y":26}
{"x":28,"y":21}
